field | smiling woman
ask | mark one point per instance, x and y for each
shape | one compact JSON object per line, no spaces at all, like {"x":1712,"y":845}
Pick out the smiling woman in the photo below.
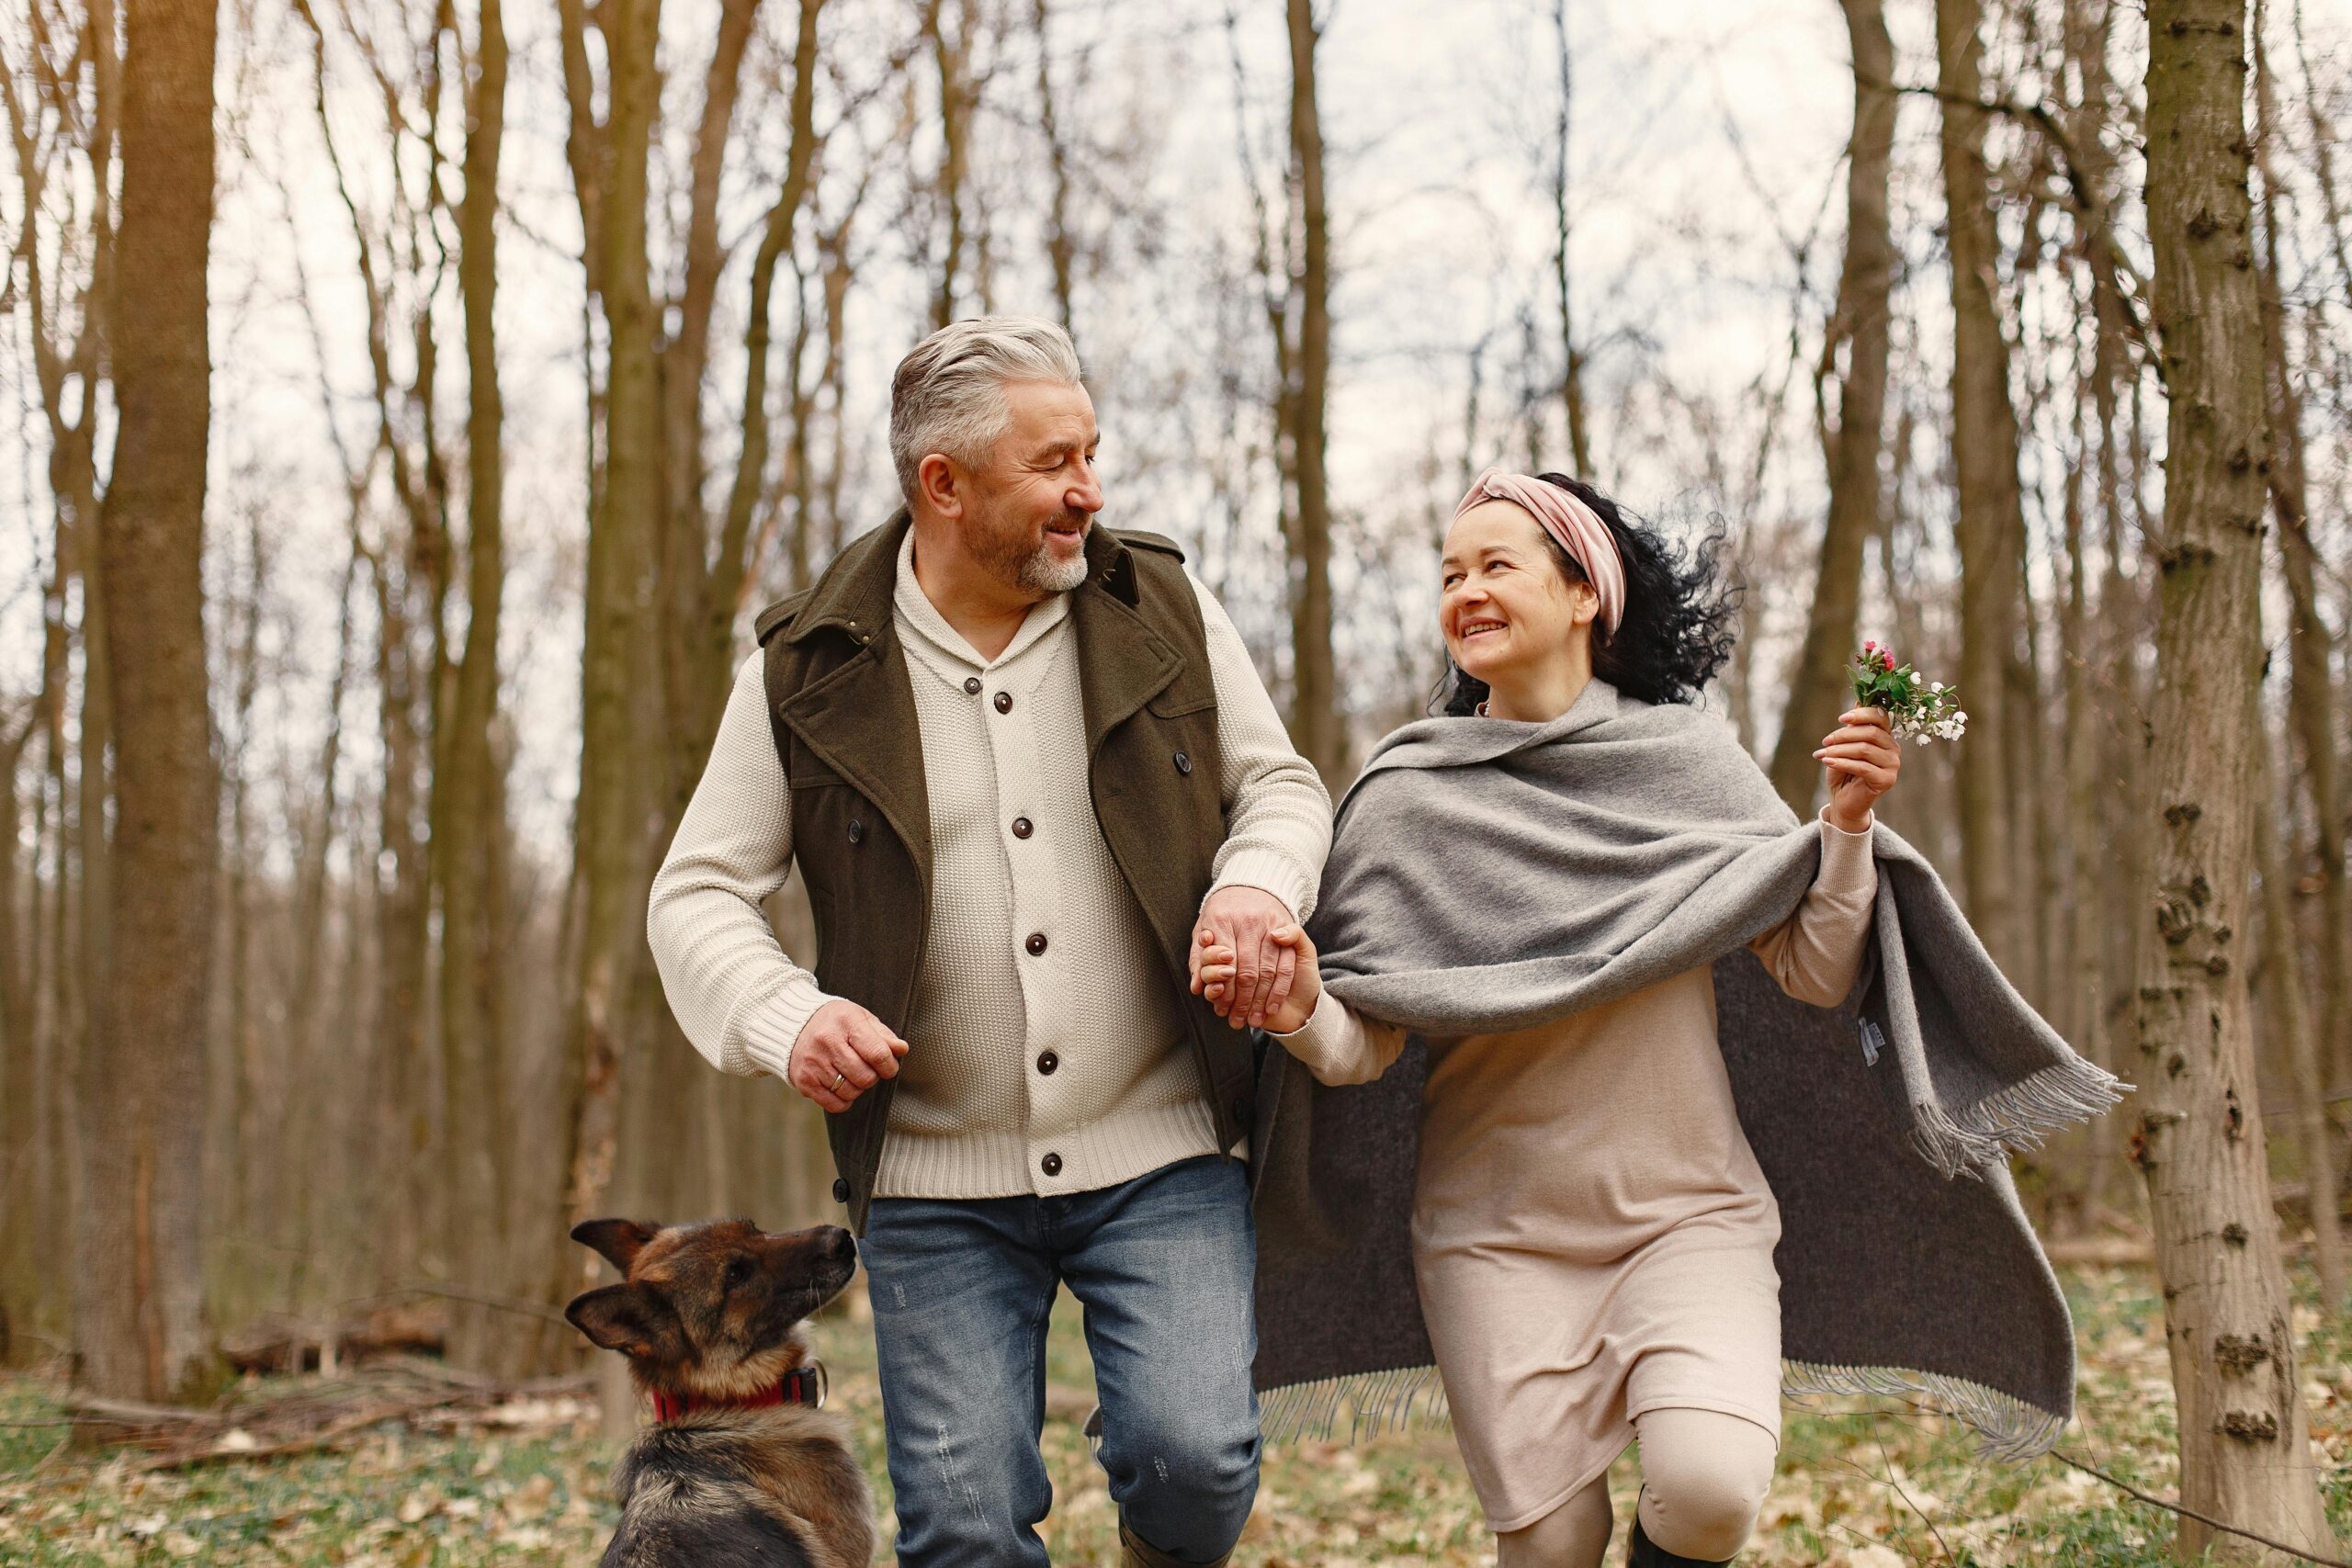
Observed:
{"x":1501,"y":565}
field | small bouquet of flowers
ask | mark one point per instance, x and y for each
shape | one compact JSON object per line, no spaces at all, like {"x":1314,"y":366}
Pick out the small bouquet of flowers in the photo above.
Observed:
{"x":1925,"y":710}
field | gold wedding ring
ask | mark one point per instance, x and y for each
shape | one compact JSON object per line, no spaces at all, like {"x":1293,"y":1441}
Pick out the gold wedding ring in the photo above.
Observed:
{"x":838,"y":1079}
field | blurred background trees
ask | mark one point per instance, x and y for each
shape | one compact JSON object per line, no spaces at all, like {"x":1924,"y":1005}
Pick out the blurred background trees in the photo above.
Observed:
{"x":548,"y":344}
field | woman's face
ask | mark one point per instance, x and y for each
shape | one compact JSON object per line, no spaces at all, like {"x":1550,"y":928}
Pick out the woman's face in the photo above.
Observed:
{"x":1506,"y":608}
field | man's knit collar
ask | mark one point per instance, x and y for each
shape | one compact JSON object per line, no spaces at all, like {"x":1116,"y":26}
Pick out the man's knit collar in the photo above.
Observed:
{"x":919,"y":616}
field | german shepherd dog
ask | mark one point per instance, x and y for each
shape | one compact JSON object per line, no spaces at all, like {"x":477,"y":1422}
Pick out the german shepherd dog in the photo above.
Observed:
{"x":740,"y":1469}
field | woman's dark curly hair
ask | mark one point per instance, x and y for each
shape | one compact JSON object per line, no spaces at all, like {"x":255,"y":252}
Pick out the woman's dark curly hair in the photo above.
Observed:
{"x":1677,"y":627}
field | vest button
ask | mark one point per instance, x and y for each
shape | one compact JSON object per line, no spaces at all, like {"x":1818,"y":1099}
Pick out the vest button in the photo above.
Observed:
{"x":1022,"y":828}
{"x":1051,"y":1165}
{"x":856,"y":830}
{"x":1184,"y":762}
{"x":1047,"y":1061}
{"x":972,"y":684}
{"x":1004,"y":702}
{"x":841,"y":1189}
{"x":1035,"y":944}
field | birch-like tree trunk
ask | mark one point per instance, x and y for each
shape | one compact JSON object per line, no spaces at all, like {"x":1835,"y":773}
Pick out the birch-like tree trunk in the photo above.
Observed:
{"x":139,"y":1329}
{"x":2245,"y":1437}
{"x":1818,"y":691}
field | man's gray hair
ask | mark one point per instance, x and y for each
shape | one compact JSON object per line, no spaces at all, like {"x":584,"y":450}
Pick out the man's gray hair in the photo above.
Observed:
{"x":948,"y":395}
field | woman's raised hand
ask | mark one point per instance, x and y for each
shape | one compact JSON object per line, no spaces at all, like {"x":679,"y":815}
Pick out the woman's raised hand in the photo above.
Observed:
{"x":1217,"y":967}
{"x":1863,"y":758}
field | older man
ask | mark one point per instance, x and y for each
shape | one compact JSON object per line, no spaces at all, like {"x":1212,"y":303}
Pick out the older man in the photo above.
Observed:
{"x":1021,"y":761}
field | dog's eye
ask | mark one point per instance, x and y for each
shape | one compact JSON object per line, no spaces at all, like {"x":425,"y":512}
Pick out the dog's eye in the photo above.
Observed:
{"x":738,"y":1270}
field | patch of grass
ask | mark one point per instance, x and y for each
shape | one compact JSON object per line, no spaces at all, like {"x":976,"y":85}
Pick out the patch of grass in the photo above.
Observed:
{"x":1861,"y":1483}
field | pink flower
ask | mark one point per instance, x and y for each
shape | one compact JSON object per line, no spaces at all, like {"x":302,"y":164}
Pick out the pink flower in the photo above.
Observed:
{"x":1887,"y":661}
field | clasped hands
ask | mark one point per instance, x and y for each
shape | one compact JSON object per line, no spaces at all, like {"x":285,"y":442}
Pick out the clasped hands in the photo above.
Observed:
{"x":1253,"y":962}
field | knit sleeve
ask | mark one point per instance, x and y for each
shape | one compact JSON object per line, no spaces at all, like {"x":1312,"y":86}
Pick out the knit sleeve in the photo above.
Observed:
{"x":1815,"y":954}
{"x":738,"y":997}
{"x":1278,"y":814}
{"x":1338,"y":1044}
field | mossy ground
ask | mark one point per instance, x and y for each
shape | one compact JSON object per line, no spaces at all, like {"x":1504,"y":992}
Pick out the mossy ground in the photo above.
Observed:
{"x":1868,"y":1484}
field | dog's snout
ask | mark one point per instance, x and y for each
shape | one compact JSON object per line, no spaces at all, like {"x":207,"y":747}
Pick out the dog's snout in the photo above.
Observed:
{"x":840,"y":1245}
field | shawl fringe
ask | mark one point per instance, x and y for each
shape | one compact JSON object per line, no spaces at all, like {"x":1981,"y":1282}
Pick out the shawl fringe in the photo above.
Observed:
{"x":1377,"y":1403}
{"x":2013,"y":1119}
{"x":2011,"y":1428}
{"x":1403,"y":1398}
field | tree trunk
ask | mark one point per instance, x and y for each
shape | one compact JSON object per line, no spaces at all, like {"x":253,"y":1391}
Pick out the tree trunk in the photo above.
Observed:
{"x":2290,"y":1017}
{"x":1315,"y":724}
{"x":1991,"y":527}
{"x":952,"y":55}
{"x":1061,"y":249}
{"x":2244,"y":1439}
{"x":139,"y":1329}
{"x":609,"y":839}
{"x":1818,"y":691}
{"x":1571,"y":357}
{"x":471,"y":842}
{"x":2310,"y":644}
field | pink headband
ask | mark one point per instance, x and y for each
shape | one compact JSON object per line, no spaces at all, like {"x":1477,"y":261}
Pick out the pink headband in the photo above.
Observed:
{"x":1574,"y":525}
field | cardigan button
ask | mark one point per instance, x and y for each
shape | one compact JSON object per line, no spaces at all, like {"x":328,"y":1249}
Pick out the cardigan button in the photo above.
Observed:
{"x":1184,"y":763}
{"x":972,"y":684}
{"x":1022,"y":828}
{"x":857,"y":831}
{"x":1051,"y":1165}
{"x":841,"y":1189}
{"x":1047,"y":1061}
{"x":1035,"y":944}
{"x":1004,"y":702}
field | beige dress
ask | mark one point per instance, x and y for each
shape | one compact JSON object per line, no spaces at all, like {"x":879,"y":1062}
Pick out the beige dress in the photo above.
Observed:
{"x":1591,"y":1234}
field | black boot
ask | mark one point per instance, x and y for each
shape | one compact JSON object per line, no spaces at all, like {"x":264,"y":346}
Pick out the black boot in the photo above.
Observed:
{"x":1647,"y":1553}
{"x":1137,"y":1552}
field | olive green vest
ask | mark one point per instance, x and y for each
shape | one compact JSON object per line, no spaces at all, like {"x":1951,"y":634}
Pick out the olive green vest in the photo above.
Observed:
{"x":843,"y":715}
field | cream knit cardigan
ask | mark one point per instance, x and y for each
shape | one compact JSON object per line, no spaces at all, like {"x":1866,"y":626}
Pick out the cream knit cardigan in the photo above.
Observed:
{"x":975,"y":1111}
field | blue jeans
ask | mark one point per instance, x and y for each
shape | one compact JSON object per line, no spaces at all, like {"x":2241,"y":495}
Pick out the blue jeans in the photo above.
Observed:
{"x":1163,"y":1266}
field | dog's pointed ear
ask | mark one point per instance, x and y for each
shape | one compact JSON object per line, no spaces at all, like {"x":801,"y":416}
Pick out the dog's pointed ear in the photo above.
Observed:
{"x":619,"y":1241}
{"x":623,"y":1318}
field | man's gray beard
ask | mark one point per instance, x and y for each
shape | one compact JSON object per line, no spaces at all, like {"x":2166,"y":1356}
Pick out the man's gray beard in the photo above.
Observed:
{"x":1041,"y":573}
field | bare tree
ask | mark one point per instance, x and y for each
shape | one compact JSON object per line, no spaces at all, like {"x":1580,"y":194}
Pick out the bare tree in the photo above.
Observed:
{"x":2310,"y":646}
{"x":1816,"y":688}
{"x":2245,"y":1437}
{"x":1315,"y":724}
{"x":1991,"y":528}
{"x":471,"y":798}
{"x":139,"y":1325}
{"x":2287,"y":1014}
{"x":1571,"y":355}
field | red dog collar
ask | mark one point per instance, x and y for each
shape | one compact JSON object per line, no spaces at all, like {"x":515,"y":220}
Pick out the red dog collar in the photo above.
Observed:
{"x":802,"y":1385}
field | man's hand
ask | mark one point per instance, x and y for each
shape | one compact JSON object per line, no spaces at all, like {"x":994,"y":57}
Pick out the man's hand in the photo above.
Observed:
{"x":1216,"y":965}
{"x":1243,"y":920}
{"x":842,"y":1051}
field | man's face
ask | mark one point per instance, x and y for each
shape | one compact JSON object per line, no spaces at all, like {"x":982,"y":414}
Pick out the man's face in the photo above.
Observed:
{"x":1034,"y":495}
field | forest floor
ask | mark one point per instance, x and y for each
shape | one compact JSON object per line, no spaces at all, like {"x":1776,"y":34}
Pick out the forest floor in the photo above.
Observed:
{"x":1863,"y":1484}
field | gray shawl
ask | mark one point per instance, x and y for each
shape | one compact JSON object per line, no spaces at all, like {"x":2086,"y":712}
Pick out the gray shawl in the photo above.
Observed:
{"x":1489,"y":876}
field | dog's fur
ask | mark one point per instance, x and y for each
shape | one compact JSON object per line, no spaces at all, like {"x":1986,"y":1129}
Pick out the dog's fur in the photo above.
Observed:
{"x":713,"y":1313}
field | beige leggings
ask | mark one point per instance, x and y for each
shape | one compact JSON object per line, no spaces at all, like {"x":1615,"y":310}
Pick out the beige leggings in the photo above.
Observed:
{"x":1703,"y":1479}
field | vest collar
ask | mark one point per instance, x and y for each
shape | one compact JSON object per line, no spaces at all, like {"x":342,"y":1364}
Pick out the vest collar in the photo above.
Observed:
{"x":804,"y":1384}
{"x":854,"y":593}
